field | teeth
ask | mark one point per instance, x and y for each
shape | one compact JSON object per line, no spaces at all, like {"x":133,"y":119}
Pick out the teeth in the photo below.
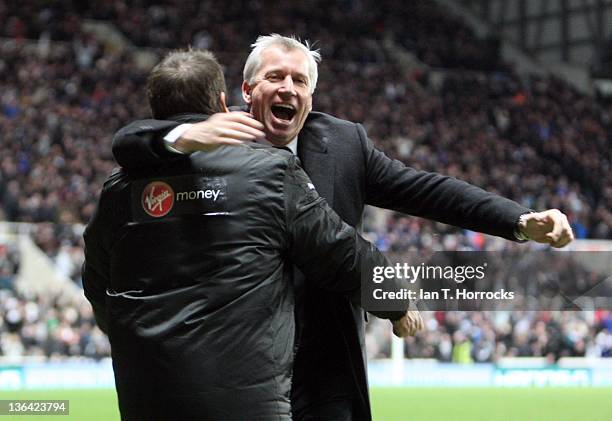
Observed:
{"x":287,"y":106}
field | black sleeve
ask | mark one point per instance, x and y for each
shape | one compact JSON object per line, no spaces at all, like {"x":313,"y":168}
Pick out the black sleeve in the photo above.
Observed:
{"x":327,"y":250}
{"x":141,"y":144}
{"x":98,"y":240}
{"x":392,"y":185}
{"x":96,"y":270}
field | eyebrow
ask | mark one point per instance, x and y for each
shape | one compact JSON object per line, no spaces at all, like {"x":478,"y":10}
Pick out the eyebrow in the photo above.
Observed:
{"x":280,"y":70}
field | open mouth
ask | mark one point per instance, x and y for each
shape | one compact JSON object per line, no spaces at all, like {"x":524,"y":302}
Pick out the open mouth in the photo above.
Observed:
{"x":283,"y":111}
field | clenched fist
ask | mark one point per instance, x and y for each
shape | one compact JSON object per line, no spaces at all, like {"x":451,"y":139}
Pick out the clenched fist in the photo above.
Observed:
{"x":549,"y":227}
{"x":408,"y":325}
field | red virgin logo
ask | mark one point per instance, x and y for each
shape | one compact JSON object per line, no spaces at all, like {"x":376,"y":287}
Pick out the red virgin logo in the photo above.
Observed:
{"x":157,"y":199}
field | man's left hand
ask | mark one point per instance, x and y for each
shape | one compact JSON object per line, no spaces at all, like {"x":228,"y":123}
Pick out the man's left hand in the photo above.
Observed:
{"x":408,"y":325}
{"x":548,"y":227}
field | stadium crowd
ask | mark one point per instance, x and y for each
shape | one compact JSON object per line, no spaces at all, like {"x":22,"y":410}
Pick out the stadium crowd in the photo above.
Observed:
{"x":489,"y":336}
{"x":535,"y":140}
{"x":422,"y":27}
{"x":42,"y":327}
{"x":9,"y":263}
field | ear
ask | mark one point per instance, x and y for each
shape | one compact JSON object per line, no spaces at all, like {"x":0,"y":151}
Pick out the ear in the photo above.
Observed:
{"x":222,"y":102}
{"x":246,"y":92}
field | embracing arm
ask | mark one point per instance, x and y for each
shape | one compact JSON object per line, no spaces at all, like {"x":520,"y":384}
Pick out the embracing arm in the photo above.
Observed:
{"x":141,"y":143}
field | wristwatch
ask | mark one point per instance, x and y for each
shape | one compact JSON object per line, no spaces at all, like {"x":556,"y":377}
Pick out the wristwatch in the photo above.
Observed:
{"x":519,"y":232}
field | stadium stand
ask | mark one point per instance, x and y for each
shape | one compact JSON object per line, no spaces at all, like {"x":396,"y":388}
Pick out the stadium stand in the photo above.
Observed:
{"x":461,"y":111}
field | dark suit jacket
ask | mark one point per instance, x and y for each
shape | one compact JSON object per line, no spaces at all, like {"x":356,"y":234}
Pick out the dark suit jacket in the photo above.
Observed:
{"x":349,"y":172}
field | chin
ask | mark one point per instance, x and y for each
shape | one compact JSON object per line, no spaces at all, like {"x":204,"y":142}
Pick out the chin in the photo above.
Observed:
{"x":279,"y":141}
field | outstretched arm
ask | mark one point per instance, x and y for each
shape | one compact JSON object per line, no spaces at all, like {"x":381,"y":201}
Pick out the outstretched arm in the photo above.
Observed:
{"x":392,"y":185}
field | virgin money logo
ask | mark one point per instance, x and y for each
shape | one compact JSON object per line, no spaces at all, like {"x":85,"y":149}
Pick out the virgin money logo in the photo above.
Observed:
{"x":157,"y":199}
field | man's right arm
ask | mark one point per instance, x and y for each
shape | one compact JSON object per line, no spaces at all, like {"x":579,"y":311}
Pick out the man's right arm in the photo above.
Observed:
{"x":141,"y":143}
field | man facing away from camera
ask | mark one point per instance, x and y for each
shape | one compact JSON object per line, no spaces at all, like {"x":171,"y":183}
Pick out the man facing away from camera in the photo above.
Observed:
{"x":280,"y":75}
{"x":186,"y":266}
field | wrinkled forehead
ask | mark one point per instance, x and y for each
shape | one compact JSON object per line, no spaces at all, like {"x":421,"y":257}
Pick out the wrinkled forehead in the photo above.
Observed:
{"x":279,"y":57}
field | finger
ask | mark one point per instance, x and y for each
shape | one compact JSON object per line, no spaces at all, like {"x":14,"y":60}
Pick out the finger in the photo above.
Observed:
{"x":407,"y":326}
{"x":568,"y":234}
{"x":245,"y":129}
{"x":566,"y":238}
{"x":413,"y":323}
{"x":231,"y":134}
{"x":244,"y":118}
{"x":410,"y":317}
{"x":541,"y":217}
{"x":562,"y":242}
{"x":418,"y":324}
{"x":557,"y":230}
{"x":231,"y":142}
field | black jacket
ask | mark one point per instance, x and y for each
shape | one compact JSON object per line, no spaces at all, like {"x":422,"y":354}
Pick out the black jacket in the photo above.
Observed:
{"x":349,"y":172}
{"x":185,"y":267}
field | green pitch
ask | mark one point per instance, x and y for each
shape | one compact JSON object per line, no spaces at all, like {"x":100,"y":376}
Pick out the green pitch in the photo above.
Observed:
{"x":524,"y":404}
{"x":85,"y":405}
{"x":400,"y":404}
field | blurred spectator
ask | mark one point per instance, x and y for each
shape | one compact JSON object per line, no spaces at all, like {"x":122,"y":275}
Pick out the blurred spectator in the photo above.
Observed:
{"x":42,"y":327}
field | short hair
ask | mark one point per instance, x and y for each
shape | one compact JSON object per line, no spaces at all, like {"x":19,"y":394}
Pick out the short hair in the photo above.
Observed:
{"x":253,"y":62}
{"x":186,"y":81}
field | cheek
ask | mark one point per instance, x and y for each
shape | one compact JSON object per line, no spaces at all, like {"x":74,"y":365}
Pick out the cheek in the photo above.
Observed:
{"x":256,"y":105}
{"x":307,"y":103}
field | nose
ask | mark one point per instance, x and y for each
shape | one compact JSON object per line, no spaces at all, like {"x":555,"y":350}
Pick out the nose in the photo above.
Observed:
{"x":287,"y":88}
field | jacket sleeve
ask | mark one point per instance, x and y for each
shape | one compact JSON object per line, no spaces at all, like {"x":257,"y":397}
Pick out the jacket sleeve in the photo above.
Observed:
{"x":98,"y":239}
{"x":96,"y":270}
{"x":140,"y":144}
{"x":327,"y":250}
{"x":392,"y":185}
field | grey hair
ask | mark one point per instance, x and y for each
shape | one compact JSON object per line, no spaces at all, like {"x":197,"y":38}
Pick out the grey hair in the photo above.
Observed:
{"x":253,"y":62}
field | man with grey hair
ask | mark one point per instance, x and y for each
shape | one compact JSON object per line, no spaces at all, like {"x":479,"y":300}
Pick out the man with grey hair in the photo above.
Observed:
{"x":329,"y":380}
{"x":280,"y":76}
{"x":254,"y":60}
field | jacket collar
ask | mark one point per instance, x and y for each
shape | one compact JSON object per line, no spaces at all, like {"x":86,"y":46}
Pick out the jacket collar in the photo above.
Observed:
{"x":188,"y":117}
{"x":313,"y":137}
